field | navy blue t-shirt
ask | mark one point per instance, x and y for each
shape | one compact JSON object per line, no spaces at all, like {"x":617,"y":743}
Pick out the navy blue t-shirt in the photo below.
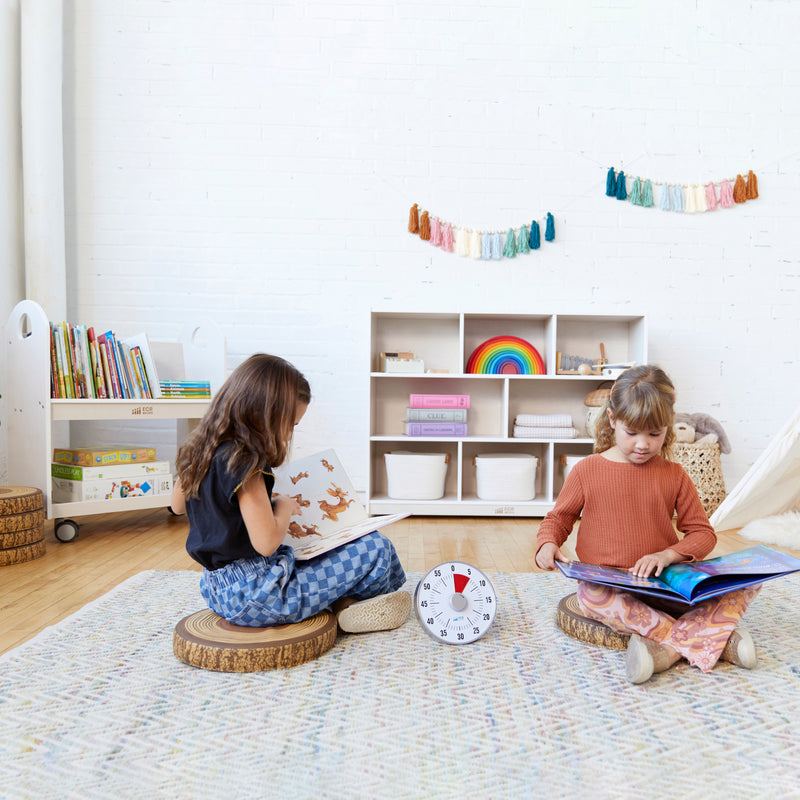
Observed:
{"x":217,"y":533}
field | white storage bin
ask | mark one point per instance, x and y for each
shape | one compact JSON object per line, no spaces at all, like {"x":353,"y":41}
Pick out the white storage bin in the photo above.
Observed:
{"x":568,"y":462}
{"x":506,"y":476}
{"x":416,"y":476}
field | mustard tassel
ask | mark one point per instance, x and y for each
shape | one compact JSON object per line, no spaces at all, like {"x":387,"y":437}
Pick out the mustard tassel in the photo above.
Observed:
{"x":739,"y":190}
{"x":413,"y":219}
{"x":752,"y":185}
{"x":425,"y":227}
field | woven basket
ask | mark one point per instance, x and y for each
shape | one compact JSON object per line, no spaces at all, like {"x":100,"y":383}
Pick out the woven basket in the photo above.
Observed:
{"x":704,"y":467}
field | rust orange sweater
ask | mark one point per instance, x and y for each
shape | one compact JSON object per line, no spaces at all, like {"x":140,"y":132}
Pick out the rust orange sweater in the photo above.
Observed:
{"x":627,"y":512}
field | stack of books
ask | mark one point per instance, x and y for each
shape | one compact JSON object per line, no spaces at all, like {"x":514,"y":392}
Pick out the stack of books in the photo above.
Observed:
{"x":437,"y":415}
{"x":185,"y":389}
{"x":106,"y":473}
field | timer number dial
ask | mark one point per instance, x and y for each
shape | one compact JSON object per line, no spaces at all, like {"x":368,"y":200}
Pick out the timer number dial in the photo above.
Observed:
{"x":455,"y":603}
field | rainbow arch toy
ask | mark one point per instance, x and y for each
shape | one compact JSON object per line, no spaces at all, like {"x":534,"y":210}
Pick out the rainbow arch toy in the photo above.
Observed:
{"x":505,"y":355}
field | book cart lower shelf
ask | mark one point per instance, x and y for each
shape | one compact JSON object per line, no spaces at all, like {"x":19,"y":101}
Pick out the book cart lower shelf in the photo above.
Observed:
{"x":186,"y":412}
{"x":33,"y":414}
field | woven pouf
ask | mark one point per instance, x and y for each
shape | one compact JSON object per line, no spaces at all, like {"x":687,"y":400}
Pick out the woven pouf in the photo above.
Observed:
{"x":703,"y":465}
{"x":206,"y":640}
{"x":21,"y":524}
{"x":571,"y":620}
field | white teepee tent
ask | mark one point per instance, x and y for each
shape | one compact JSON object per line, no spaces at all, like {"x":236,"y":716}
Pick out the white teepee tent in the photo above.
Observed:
{"x":771,"y":486}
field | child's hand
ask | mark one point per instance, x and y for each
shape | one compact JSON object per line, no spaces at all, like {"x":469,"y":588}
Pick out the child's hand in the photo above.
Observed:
{"x":655,"y":562}
{"x":287,"y":504}
{"x":547,"y":556}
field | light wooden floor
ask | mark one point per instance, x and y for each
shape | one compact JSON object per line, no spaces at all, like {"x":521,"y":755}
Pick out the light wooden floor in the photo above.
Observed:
{"x":112,"y":547}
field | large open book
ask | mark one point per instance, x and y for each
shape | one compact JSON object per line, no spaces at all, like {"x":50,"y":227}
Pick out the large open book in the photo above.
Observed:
{"x":332,"y":514}
{"x":693,"y":581}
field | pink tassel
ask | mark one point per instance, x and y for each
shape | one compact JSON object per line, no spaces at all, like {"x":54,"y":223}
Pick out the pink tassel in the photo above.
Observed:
{"x":447,"y":238}
{"x":436,"y":232}
{"x":711,"y":197}
{"x":725,"y":195}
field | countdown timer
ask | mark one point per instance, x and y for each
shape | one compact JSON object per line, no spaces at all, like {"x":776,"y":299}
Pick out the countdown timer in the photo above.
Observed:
{"x":455,"y":603}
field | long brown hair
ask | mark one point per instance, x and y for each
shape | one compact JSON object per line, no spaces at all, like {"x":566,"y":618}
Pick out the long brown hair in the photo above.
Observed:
{"x":642,"y":398}
{"x":255,"y":410}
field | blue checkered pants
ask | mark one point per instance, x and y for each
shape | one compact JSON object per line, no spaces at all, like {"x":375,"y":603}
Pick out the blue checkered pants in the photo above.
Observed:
{"x":277,"y":589}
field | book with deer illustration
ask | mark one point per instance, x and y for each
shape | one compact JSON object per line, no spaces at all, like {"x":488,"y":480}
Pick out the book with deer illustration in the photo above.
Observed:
{"x":332,"y":513}
{"x":694,"y":581}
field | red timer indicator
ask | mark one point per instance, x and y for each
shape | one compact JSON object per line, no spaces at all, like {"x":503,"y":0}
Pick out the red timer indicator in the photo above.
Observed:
{"x":455,"y":603}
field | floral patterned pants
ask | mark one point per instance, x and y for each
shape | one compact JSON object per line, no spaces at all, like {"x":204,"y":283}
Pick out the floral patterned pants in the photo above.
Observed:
{"x":699,"y":633}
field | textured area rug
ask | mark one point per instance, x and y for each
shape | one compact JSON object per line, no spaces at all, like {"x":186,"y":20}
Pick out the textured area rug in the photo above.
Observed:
{"x":98,"y":707}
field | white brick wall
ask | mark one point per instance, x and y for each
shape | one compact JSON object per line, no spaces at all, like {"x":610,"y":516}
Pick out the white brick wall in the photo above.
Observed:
{"x":255,"y":161}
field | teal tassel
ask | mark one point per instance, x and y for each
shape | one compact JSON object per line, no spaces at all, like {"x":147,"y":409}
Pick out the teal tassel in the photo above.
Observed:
{"x":611,"y":183}
{"x":622,"y":193}
{"x":550,"y":229}
{"x":510,"y":250}
{"x":535,"y":235}
{"x":636,"y":193}
{"x":523,"y":245}
{"x":647,"y":194}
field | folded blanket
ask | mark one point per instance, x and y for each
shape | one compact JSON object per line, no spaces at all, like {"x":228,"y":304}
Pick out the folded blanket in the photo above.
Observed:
{"x":529,"y":432}
{"x":544,"y":420}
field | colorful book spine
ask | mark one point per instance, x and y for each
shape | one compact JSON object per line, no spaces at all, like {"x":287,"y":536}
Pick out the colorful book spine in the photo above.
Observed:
{"x":96,"y":456}
{"x":101,"y":386}
{"x":113,"y":366}
{"x":436,"y":428}
{"x":69,"y":335}
{"x":77,"y":472}
{"x":56,"y":375}
{"x":438,"y":401}
{"x":436,"y":415}
{"x":63,"y":363}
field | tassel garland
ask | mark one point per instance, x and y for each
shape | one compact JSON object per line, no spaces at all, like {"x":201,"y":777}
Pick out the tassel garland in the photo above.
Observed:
{"x":686,"y":198}
{"x":484,"y":245}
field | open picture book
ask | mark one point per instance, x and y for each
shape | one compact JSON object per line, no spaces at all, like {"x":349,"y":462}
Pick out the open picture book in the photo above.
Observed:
{"x":332,"y":514}
{"x":693,"y":581}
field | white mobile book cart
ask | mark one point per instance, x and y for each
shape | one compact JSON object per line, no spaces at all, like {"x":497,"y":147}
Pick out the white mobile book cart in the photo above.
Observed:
{"x":32,"y":412}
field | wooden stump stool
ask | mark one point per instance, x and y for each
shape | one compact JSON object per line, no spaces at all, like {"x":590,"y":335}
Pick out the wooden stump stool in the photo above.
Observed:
{"x":21,"y":524}
{"x":571,"y":620}
{"x":205,"y":640}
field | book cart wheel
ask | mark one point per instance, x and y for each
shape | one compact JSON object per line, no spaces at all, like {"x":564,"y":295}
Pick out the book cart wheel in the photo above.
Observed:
{"x":66,"y":530}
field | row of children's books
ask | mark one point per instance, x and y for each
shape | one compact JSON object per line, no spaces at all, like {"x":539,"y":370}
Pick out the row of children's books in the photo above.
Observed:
{"x":86,"y":365}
